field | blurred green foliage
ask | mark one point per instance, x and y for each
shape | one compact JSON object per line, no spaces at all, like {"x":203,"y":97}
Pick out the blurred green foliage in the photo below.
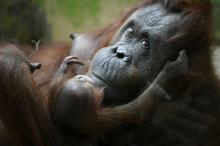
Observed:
{"x":79,"y":9}
{"x":216,"y":4}
{"x":67,"y":16}
{"x":22,"y":21}
{"x":216,"y":1}
{"x":40,"y":2}
{"x":25,"y":20}
{"x":79,"y":12}
{"x":86,"y":9}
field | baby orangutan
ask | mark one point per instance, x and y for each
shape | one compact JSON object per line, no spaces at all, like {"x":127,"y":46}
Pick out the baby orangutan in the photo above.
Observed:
{"x":75,"y":101}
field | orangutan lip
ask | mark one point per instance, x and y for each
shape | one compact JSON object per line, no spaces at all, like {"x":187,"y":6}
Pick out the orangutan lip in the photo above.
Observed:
{"x":99,"y":78}
{"x":96,"y":76}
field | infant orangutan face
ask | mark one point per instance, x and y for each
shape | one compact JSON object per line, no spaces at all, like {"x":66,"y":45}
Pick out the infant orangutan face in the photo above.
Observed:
{"x":77,"y":103}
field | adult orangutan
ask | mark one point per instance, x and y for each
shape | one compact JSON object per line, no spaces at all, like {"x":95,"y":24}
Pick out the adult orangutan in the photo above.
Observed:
{"x":129,"y":67}
{"x":151,"y":36}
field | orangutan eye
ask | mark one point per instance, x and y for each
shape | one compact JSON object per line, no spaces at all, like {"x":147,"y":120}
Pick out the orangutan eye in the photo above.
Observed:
{"x":130,"y":31}
{"x":145,"y":43}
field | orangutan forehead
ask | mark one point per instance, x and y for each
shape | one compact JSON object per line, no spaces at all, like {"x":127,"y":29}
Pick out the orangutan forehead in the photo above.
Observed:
{"x":152,"y":15}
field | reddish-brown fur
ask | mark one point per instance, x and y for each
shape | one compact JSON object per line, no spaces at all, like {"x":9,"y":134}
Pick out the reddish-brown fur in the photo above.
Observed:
{"x":23,"y":111}
{"x":30,"y":124}
{"x":50,"y":56}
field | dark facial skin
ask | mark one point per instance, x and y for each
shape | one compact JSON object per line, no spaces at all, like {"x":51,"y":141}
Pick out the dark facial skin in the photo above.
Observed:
{"x":136,"y":54}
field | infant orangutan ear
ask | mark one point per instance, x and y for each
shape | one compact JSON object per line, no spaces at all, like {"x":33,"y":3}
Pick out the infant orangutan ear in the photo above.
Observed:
{"x":34,"y":66}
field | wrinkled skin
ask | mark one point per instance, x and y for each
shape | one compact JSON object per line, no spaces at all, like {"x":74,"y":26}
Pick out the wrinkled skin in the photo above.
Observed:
{"x":136,"y":54}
